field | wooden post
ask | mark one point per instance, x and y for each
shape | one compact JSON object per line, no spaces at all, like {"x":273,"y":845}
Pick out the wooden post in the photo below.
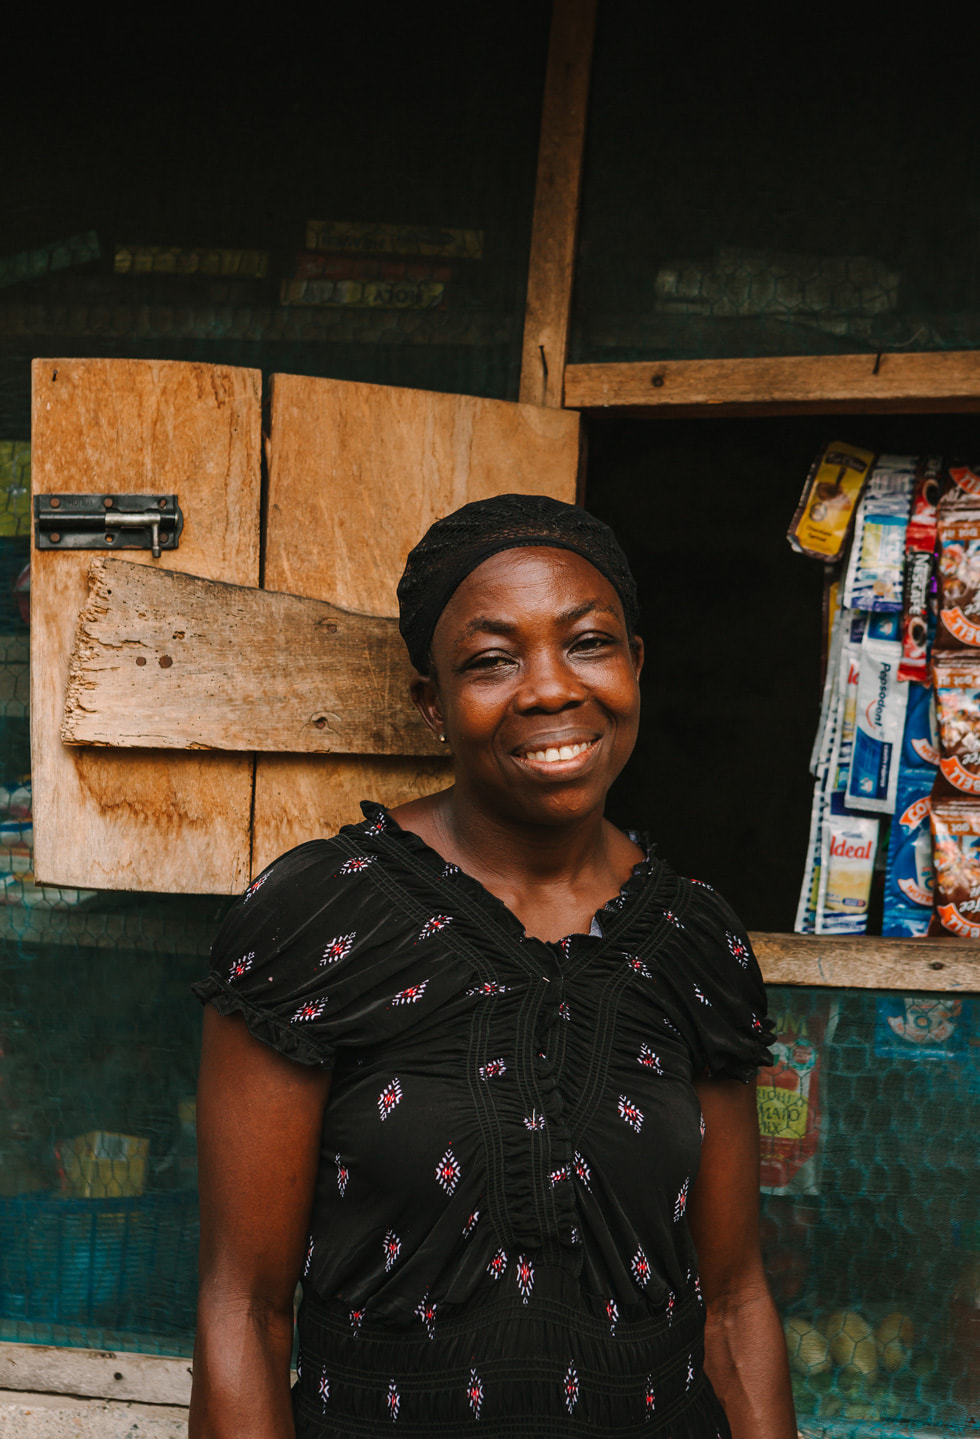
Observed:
{"x":556,"y":203}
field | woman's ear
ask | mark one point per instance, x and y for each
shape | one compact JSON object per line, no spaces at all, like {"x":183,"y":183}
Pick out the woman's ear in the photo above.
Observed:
{"x":636,"y":647}
{"x":425,"y":698}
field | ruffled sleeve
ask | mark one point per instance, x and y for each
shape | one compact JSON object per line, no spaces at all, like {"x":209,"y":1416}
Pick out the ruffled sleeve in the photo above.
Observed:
{"x":304,"y":954}
{"x":721,"y":987}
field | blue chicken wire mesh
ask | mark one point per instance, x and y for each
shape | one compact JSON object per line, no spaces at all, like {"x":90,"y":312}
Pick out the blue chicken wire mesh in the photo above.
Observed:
{"x":99,"y":1038}
{"x":99,"y":1042}
{"x":870,"y":1223}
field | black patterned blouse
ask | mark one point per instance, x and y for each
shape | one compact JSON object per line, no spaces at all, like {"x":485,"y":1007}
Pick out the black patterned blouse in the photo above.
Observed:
{"x":499,"y":1234}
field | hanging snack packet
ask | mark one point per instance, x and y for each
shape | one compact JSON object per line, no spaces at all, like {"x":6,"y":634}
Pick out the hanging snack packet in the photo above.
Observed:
{"x":847,"y":865}
{"x":806,"y":909}
{"x":823,"y":741}
{"x":879,"y":725}
{"x":877,"y":562}
{"x":920,"y":742}
{"x":823,"y":516}
{"x":957,"y":681}
{"x":958,"y":526}
{"x":909,"y":875}
{"x":956,"y":853}
{"x":844,"y":710}
{"x":920,"y":546}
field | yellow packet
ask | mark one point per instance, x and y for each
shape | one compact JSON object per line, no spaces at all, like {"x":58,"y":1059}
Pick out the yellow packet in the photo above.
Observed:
{"x":823,"y":516}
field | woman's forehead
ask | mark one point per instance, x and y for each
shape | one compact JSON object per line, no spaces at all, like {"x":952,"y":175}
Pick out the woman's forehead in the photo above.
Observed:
{"x":535,"y":582}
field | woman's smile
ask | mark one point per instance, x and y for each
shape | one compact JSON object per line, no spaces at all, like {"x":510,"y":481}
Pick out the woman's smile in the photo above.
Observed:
{"x":557,"y":758}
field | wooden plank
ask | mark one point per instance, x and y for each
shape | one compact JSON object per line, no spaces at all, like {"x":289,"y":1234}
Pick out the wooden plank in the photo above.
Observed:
{"x":554,"y":228}
{"x":118,"y":820}
{"x":782,"y":385}
{"x":356,"y":474}
{"x":158,"y":663}
{"x":866,"y":962}
{"x":50,"y":1369}
{"x":40,"y":1416}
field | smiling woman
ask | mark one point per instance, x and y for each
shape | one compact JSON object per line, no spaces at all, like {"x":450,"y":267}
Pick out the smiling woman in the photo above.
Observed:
{"x":533,"y":680}
{"x":478,"y":1069}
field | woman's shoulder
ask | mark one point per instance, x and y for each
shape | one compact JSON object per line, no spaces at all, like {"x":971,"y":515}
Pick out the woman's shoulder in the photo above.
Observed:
{"x":704,"y":958}
{"x":296,"y":938}
{"x":300,"y":885}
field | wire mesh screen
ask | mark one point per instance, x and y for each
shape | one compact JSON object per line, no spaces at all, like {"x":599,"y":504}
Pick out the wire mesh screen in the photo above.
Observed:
{"x":870,"y":1208}
{"x":747,"y":195}
{"x":373,"y":225}
{"x":98,"y":1059}
{"x":98,"y":1198}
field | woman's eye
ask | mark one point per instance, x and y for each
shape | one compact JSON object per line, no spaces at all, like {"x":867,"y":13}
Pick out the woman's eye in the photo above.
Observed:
{"x":489,"y":662}
{"x":591,"y":643}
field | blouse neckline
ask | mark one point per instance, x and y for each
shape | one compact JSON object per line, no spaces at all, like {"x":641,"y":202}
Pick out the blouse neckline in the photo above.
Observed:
{"x":441,"y":868}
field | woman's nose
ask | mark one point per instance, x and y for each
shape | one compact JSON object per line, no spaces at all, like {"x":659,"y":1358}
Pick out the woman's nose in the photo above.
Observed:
{"x":549,"y":683}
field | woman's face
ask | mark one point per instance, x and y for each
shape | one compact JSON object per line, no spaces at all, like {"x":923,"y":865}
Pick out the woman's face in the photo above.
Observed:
{"x":534,"y":685}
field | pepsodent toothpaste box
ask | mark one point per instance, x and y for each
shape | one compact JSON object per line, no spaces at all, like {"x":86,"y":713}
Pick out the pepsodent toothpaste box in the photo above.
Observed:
{"x":880,"y":722}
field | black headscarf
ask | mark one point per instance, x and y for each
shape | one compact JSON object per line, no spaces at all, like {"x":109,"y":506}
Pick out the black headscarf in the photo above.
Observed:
{"x":454,"y":546}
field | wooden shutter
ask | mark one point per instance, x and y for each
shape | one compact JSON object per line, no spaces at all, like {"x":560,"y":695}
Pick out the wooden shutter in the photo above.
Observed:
{"x":130,"y":819}
{"x":356,"y":473}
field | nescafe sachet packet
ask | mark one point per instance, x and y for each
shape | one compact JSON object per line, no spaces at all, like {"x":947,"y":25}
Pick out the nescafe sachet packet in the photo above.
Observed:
{"x":956,"y":855}
{"x":956,"y":677}
{"x":920,"y":548}
{"x":958,"y":525}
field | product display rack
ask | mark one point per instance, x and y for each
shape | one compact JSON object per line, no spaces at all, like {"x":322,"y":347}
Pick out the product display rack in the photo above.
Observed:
{"x":886,"y":1229}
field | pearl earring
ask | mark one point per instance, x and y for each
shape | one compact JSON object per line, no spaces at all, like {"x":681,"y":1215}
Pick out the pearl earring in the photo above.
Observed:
{"x":442,"y":739}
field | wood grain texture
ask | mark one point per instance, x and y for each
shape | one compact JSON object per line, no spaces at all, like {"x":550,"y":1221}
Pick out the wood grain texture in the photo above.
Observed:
{"x":357,"y":473}
{"x":164,"y":660}
{"x":119,"y":820}
{"x":44,"y":1368}
{"x":557,"y":196}
{"x":869,"y":962}
{"x":788,"y":385}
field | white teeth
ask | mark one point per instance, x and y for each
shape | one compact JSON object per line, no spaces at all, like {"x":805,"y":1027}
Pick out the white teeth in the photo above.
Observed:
{"x":550,"y":755}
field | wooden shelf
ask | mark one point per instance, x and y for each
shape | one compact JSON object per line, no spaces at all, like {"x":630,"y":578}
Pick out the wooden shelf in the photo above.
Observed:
{"x":869,"y":962}
{"x":930,"y":382}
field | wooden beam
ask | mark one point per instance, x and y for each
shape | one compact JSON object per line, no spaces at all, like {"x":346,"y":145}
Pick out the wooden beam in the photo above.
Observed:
{"x":858,"y":962}
{"x":556,"y":202}
{"x":164,"y":660}
{"x":781,"y":385}
{"x":49,"y":1369}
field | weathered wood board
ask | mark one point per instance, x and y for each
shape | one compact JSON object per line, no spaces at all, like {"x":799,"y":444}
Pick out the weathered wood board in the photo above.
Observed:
{"x":167,"y":660}
{"x":121,"y":820}
{"x":869,"y":962}
{"x":551,"y":264}
{"x":357,"y":473}
{"x":781,"y":385}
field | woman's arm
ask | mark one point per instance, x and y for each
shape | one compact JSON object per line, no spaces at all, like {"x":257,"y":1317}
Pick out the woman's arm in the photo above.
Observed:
{"x":745,"y":1354}
{"x":258,"y":1124}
